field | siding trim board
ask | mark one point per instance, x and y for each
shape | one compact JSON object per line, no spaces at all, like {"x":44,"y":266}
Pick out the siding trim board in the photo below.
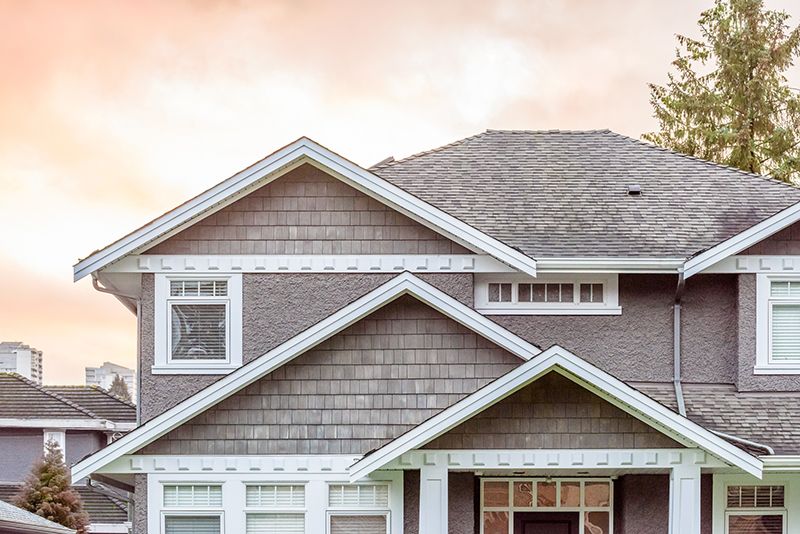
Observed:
{"x":404,"y":284}
{"x":595,"y":380}
{"x":279,"y":163}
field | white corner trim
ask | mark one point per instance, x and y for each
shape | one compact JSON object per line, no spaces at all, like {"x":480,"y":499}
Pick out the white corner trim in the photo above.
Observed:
{"x":742,"y":240}
{"x":562,"y":361}
{"x":398,"y":286}
{"x":305,"y":150}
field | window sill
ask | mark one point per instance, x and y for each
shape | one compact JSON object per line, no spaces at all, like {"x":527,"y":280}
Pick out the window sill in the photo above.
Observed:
{"x":776,"y":370}
{"x":199,"y":369}
{"x":612,"y":310}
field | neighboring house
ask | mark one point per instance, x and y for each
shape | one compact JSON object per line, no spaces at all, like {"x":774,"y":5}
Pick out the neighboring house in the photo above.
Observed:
{"x":80,"y":419}
{"x":14,"y":520}
{"x":16,"y":357}
{"x":103,"y":377}
{"x":518,"y":332}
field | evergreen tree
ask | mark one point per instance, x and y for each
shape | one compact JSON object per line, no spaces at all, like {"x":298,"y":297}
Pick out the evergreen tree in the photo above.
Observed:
{"x":47,"y":492}
{"x":728,"y":100}
{"x":119,"y":388}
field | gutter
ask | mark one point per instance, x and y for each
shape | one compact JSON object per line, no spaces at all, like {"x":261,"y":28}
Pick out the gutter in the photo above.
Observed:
{"x":743,"y":441}
{"x":676,"y":344}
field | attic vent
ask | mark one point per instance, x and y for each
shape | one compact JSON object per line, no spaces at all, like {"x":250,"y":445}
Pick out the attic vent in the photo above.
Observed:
{"x":634,"y":190}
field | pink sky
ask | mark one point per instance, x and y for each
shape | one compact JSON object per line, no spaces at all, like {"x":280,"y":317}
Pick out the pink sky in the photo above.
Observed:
{"x":113,"y":112}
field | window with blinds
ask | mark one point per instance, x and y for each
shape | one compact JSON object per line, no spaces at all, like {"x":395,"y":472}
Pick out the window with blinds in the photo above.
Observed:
{"x":275,"y":523}
{"x":275,"y":508}
{"x":358,"y":495}
{"x":192,"y":496}
{"x":276,"y":496}
{"x":198,"y":312}
{"x":785,"y":321}
{"x":358,"y":524}
{"x":752,"y":509}
{"x":187,"y":524}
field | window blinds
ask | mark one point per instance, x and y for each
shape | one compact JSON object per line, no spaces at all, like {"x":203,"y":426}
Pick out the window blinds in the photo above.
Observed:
{"x":184,"y":524}
{"x":276,"y":496}
{"x":198,"y":331}
{"x":177,"y":496}
{"x":275,"y":523}
{"x":358,"y":524}
{"x":359,"y":495}
{"x":785,"y":332}
{"x":755,"y":524}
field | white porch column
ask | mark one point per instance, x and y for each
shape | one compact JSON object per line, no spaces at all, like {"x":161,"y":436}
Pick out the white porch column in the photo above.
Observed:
{"x":684,"y":499}
{"x":433,"y":499}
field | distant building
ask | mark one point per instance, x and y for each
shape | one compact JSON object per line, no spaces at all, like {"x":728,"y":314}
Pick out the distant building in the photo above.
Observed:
{"x":16,"y":357}
{"x":103,"y":376}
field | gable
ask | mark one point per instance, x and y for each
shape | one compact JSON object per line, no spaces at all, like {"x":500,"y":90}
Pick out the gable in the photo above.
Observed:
{"x":783,"y":242}
{"x":553,"y":412}
{"x":307,"y":211}
{"x":352,"y":393}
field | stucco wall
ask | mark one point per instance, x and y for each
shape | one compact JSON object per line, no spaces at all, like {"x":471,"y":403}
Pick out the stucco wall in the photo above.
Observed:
{"x":80,"y":443}
{"x":19,"y":448}
{"x":461,"y":503}
{"x":276,"y":307}
{"x":139,"y":520}
{"x":411,"y":502}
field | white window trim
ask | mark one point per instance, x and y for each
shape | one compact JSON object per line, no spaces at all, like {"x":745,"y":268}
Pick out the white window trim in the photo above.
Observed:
{"x":163,"y":363}
{"x":58,"y":435}
{"x":266,"y":510}
{"x":610,"y":306}
{"x":764,"y":364}
{"x":355,"y":511}
{"x":205,"y":512}
{"x":791,"y":500}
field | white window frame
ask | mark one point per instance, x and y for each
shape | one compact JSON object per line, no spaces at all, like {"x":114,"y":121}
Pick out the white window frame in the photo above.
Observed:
{"x":163,"y":363}
{"x":262,"y":510}
{"x":764,"y":301}
{"x":791,"y":500}
{"x":386,"y":512}
{"x":205,"y":511}
{"x":609,"y":306}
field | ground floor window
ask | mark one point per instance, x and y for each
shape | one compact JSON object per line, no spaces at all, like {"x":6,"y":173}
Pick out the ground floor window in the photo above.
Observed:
{"x":755,"y":509}
{"x":275,"y":509}
{"x":506,"y":501}
{"x":358,"y":508}
{"x":192,"y":524}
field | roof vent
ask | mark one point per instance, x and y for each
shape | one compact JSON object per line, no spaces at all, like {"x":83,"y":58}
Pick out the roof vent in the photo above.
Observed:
{"x":634,"y":190}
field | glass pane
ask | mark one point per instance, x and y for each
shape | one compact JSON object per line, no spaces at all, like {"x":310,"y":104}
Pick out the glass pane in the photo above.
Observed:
{"x":596,"y":523}
{"x":495,"y":494}
{"x":185,"y":524}
{"x":505,"y":292}
{"x":571,"y":494}
{"x":545,"y":494}
{"x":523,"y":494}
{"x":495,"y":523}
{"x":494,"y":292}
{"x":358,"y":524}
{"x":538,"y":293}
{"x":275,"y":496}
{"x":276,"y":524}
{"x":567,"y":293}
{"x":524,"y":292}
{"x":198,"y":331}
{"x":755,"y":497}
{"x":359,"y":495}
{"x":785,"y":289}
{"x":755,"y":524}
{"x":785,"y":332}
{"x":597,"y":494}
{"x":586,"y":292}
{"x":553,"y":292}
{"x":188,"y":495}
{"x":597,"y":293}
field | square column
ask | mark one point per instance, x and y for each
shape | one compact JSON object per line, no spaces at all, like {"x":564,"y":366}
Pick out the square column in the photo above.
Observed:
{"x":684,"y":499}
{"x":433,"y":499}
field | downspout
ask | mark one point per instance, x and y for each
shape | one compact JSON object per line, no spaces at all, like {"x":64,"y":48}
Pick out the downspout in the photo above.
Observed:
{"x":743,"y":441}
{"x":676,"y":343}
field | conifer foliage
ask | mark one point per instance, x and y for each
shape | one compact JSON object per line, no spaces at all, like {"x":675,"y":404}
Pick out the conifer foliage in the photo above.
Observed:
{"x":119,"y":388}
{"x":728,"y":99}
{"x":47,"y":492}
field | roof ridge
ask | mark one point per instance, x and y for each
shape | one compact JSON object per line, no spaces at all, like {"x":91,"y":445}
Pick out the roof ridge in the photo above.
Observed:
{"x":550,"y":131}
{"x":430,"y":151}
{"x":53,"y":394}
{"x":97,"y":388}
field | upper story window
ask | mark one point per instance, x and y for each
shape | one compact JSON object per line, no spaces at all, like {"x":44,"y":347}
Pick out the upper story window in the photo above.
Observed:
{"x":547,"y":294}
{"x":778,"y":325}
{"x":198,"y":323}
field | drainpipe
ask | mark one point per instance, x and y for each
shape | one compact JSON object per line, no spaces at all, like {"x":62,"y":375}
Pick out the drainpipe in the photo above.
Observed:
{"x":743,"y":441}
{"x":676,"y":343}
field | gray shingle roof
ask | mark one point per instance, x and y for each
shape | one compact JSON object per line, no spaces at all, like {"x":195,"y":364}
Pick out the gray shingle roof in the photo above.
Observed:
{"x":766,"y":418}
{"x":563,"y":194}
{"x":98,"y":401}
{"x":16,"y":519}
{"x":100,"y":508}
{"x":24,"y":399}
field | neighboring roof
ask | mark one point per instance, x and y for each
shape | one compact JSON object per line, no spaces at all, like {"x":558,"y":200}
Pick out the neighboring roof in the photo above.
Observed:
{"x":13,"y":520}
{"x":99,"y":401}
{"x":21,"y":398}
{"x":275,"y":165}
{"x":560,"y":360}
{"x":768,"y":418}
{"x":100,"y":508}
{"x":403,"y":284}
{"x":563,"y":194}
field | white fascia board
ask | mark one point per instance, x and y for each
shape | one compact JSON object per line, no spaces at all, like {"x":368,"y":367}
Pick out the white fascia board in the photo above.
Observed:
{"x":609,"y":265}
{"x":781,"y":463}
{"x":109,"y":528}
{"x":562,"y":361}
{"x":743,"y":240}
{"x":305,"y":150}
{"x":68,"y":424}
{"x":398,"y":286}
{"x":7,"y":525}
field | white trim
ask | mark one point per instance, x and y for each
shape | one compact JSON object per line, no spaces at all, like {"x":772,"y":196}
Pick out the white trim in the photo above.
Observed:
{"x":764,"y":364}
{"x":781,"y":463}
{"x":66,"y":424}
{"x":757,"y":264}
{"x":609,"y":265}
{"x":301,"y":151}
{"x":742,"y":240}
{"x":163,"y":364}
{"x":296,"y":263}
{"x":109,"y":528}
{"x":290,"y":465}
{"x":7,"y":525}
{"x":791,"y":508}
{"x":398,"y":286}
{"x":562,"y":361}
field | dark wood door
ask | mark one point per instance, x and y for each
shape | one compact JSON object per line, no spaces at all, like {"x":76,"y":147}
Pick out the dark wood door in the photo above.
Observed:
{"x":546,"y":522}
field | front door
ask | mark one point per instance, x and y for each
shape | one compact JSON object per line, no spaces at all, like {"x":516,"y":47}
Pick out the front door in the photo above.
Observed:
{"x":546,"y":522}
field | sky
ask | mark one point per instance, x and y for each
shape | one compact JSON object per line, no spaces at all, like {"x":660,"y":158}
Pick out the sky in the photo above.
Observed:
{"x":114,"y":112}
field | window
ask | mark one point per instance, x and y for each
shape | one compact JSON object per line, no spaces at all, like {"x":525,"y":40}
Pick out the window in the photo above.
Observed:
{"x":198,"y":323}
{"x":755,"y":509}
{"x":192,"y":509}
{"x":778,"y":324}
{"x":275,"y":509}
{"x":358,"y":508}
{"x":547,"y":294}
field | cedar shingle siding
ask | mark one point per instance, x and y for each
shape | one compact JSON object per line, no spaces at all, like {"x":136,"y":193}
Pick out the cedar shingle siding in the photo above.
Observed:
{"x":307,"y":212}
{"x":352,"y":393}
{"x":552,"y":413}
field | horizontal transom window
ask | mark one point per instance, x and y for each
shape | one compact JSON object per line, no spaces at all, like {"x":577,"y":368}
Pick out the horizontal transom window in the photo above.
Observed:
{"x":755,"y":497}
{"x":183,"y":496}
{"x":359,"y":495}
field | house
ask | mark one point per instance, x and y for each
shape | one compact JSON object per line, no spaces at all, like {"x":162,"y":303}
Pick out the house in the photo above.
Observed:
{"x":517,"y":332}
{"x":81,"y":420}
{"x":13,"y":520}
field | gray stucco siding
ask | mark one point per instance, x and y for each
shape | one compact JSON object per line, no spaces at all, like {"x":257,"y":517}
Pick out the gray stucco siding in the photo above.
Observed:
{"x":20,"y":448}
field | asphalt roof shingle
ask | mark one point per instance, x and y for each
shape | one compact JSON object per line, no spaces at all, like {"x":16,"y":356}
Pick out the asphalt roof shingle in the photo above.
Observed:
{"x":100,"y":508}
{"x":98,"y":401}
{"x":564,"y":194}
{"x":23,"y":399}
{"x":19,"y":517}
